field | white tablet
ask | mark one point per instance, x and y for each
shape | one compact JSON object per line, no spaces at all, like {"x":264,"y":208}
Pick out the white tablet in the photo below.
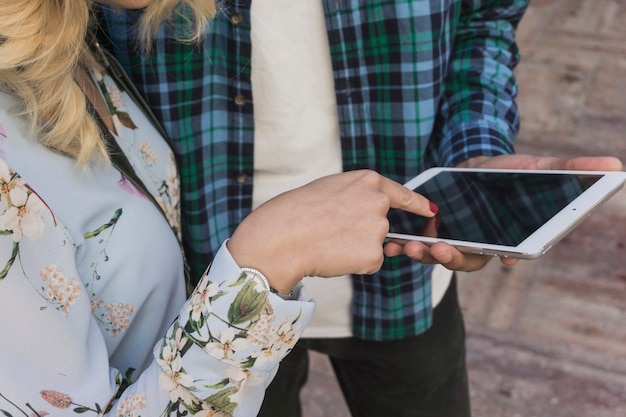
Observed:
{"x":509,"y":213}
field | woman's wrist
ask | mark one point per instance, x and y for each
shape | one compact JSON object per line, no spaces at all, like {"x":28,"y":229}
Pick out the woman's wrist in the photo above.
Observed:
{"x":274,"y":281}
{"x":291,"y":295}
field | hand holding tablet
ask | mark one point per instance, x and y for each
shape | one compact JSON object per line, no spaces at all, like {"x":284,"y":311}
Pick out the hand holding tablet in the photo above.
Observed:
{"x":516,"y":213}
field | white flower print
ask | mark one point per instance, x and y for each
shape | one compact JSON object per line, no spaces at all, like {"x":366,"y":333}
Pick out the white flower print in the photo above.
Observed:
{"x":270,"y":354}
{"x":253,"y":338}
{"x":116,"y":97}
{"x":207,"y":410}
{"x":179,"y":341}
{"x":115,"y":102}
{"x":200,"y":305}
{"x":227,"y":344}
{"x":259,"y":332}
{"x":172,"y":349}
{"x":175,"y":379}
{"x":178,"y":374}
{"x":242,"y":379}
{"x":176,"y":391}
{"x":60,"y":290}
{"x":171,"y":214}
{"x":22,"y":213}
{"x":114,"y":317}
{"x":285,"y":336}
{"x":276,"y":343}
{"x":6,"y":176}
{"x":171,"y":180}
{"x":148,"y":154}
{"x":172,"y":192}
{"x":130,"y":406}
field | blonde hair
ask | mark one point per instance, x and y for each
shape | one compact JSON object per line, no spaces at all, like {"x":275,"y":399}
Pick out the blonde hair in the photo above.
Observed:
{"x":42,"y":43}
{"x":193,"y":14}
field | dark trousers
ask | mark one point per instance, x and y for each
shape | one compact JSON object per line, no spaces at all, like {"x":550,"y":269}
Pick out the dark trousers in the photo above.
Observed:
{"x":423,"y":376}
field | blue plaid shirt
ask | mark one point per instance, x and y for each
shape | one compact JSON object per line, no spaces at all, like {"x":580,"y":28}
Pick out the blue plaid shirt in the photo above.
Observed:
{"x":418,"y":83}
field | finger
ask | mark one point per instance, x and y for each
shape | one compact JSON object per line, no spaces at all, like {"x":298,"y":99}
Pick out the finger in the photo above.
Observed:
{"x":402,"y":198}
{"x":521,"y":161}
{"x":393,"y":248}
{"x":415,"y":250}
{"x":581,"y":163}
{"x":453,"y":259}
{"x":588,"y":163}
{"x":431,"y":226}
{"x":509,"y":261}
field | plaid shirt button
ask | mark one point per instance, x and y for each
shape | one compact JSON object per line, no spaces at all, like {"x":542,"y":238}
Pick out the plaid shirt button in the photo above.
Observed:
{"x":236,"y":19}
{"x":242,"y":178}
{"x":239,"y":100}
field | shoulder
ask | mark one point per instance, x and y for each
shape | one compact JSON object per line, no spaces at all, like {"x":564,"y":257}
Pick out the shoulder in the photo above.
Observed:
{"x":14,"y":127}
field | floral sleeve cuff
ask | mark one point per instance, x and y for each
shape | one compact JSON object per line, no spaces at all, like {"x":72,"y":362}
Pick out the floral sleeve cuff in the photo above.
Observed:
{"x":231,"y":333}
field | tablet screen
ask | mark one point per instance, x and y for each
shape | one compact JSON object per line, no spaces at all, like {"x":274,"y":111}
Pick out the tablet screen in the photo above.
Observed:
{"x":497,"y":208}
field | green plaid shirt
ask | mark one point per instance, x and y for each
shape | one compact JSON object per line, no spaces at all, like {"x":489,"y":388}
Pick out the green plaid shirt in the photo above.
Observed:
{"x":418,"y":83}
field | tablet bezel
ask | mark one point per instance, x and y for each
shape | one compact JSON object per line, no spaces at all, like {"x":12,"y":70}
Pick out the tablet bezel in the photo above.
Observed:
{"x":540,"y":241}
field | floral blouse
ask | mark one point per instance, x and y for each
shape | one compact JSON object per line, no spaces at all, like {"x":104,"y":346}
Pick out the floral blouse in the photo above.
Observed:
{"x":93,"y":314}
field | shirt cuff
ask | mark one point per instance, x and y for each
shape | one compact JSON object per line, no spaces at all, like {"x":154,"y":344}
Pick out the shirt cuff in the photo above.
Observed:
{"x":478,"y":138}
{"x":232,"y":330}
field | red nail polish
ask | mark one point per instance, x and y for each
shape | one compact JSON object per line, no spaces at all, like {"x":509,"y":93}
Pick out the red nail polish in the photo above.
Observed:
{"x":434,"y":208}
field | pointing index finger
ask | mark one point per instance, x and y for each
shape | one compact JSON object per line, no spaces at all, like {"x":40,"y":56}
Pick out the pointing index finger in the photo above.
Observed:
{"x":402,"y":198}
